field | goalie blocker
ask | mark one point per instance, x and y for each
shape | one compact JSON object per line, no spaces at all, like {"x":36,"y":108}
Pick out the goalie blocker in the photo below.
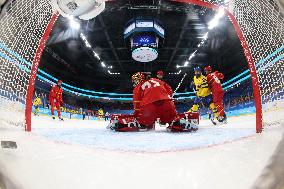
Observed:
{"x":128,"y":123}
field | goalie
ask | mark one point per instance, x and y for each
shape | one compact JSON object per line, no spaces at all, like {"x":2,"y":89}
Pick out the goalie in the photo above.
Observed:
{"x":152,"y":99}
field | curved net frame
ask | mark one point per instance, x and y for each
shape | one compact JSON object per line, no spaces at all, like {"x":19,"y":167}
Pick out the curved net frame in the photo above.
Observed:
{"x":23,"y":23}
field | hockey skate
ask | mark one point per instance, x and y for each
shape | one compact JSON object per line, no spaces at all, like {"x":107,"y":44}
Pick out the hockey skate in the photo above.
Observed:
{"x":188,"y":123}
{"x":53,"y":117}
{"x":125,"y":123}
{"x":222,"y":119}
{"x":211,"y":117}
{"x":60,"y":118}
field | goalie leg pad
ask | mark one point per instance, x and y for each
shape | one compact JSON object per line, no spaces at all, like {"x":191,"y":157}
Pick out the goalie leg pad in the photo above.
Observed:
{"x":188,"y":123}
{"x":124,"y":123}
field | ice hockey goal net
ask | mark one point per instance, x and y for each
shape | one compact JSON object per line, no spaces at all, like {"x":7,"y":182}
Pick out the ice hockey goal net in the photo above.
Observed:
{"x":23,"y":25}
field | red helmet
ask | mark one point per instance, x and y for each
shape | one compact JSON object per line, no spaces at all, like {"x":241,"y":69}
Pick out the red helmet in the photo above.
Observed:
{"x":160,"y":73}
{"x":59,"y":81}
{"x":208,"y":69}
{"x":137,"y":78}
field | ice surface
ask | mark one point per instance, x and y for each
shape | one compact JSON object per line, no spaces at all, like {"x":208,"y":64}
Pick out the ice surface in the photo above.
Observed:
{"x":68,"y":155}
{"x":94,"y":134}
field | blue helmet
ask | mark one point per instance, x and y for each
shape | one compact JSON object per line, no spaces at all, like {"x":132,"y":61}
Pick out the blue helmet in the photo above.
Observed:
{"x":197,"y":69}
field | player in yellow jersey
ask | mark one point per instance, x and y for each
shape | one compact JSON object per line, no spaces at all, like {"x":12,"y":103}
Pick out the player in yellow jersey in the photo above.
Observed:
{"x":203,"y":94}
{"x":100,"y":113}
{"x":37,"y":102}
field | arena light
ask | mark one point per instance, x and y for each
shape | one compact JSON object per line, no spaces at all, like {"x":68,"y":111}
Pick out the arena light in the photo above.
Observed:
{"x":178,"y":66}
{"x":201,"y":43}
{"x":192,"y":55}
{"x":96,"y":55}
{"x":220,"y":14}
{"x":87,"y":44}
{"x":186,"y":63}
{"x":113,"y":73}
{"x":214,"y":22}
{"x":73,"y":23}
{"x":175,"y":73}
{"x":84,"y":38}
{"x":205,"y":36}
{"x":103,"y":64}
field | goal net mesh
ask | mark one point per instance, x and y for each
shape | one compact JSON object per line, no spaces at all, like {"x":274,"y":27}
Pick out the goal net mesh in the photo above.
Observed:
{"x":22,"y":24}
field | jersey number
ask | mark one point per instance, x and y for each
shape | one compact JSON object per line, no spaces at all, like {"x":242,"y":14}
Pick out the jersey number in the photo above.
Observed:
{"x":150,"y":84}
{"x":216,"y":79}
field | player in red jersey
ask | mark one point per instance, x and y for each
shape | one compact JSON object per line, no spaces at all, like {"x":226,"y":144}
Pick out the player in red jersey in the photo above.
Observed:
{"x":160,"y":74}
{"x":152,"y":99}
{"x":55,"y":99}
{"x":213,"y":80}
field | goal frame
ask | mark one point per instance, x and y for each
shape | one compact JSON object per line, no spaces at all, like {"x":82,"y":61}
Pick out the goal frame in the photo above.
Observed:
{"x":246,"y":50}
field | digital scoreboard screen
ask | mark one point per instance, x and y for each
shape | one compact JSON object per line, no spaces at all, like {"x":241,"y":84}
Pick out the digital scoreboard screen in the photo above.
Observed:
{"x":144,"y":41}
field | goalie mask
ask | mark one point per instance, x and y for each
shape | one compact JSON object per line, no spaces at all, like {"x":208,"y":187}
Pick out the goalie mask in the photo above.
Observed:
{"x":137,"y":78}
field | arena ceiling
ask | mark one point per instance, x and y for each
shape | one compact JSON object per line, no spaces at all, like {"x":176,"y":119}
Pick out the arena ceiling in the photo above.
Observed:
{"x":67,"y":57}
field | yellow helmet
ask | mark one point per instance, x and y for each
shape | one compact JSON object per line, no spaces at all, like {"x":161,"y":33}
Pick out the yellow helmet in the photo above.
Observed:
{"x":137,"y":78}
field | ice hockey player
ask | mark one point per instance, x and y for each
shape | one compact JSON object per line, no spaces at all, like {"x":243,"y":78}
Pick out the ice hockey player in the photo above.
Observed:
{"x":213,"y":80}
{"x":203,"y":93}
{"x":100,"y":114}
{"x":152,"y":99}
{"x":55,"y":99}
{"x":160,"y":74}
{"x":37,"y":102}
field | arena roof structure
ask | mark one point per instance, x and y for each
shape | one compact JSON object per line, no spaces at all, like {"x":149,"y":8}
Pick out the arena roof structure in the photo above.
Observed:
{"x":95,"y":55}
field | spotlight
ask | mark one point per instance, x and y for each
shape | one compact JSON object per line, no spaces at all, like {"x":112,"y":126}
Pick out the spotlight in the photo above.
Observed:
{"x":73,"y":23}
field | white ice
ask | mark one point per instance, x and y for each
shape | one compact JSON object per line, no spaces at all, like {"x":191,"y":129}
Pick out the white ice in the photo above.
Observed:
{"x":83,"y":154}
